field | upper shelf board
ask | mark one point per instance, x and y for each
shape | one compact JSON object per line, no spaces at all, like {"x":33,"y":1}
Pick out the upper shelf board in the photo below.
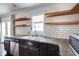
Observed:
{"x":22,"y":18}
{"x":60,"y":13}
{"x":74,"y":10}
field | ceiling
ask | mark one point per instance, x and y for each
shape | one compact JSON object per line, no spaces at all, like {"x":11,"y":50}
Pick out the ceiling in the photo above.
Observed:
{"x":8,"y":7}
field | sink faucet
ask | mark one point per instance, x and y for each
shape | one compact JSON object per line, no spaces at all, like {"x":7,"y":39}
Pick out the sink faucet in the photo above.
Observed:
{"x":36,"y":33}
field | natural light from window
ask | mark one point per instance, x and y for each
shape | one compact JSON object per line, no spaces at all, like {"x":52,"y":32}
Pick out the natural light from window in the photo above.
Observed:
{"x":38,"y":23}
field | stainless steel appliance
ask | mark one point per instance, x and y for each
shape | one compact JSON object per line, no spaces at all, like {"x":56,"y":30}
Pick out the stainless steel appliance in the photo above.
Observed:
{"x":14,"y":48}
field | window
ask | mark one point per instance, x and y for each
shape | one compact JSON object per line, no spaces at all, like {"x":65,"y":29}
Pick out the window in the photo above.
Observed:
{"x":38,"y":18}
{"x":38,"y":27}
{"x":38,"y":23}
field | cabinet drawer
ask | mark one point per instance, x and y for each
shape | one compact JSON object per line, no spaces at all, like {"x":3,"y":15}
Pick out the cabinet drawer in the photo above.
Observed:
{"x":52,"y":50}
{"x":33,"y":44}
{"x":15,"y":40}
{"x":30,"y":43}
{"x":7,"y":45}
{"x":26,"y":50}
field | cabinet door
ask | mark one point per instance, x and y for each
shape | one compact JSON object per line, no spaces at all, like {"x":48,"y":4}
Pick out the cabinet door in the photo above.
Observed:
{"x":47,"y":49}
{"x":34,"y":48}
{"x":29,"y":48}
{"x":24,"y":50}
{"x":43,"y":49}
{"x":7,"y":45}
{"x":52,"y":50}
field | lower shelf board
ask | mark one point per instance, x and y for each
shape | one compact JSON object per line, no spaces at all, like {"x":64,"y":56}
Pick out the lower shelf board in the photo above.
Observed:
{"x":63,"y":23}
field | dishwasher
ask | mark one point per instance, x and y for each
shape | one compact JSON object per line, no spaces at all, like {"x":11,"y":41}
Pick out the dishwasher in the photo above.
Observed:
{"x":14,"y":47}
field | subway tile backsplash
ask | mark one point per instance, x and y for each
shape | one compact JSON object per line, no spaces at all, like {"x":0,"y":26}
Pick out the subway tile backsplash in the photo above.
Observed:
{"x":61,"y":31}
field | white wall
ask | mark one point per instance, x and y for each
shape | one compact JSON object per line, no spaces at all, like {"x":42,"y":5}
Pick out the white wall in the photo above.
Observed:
{"x":5,"y":27}
{"x":52,"y":31}
{"x":0,"y":29}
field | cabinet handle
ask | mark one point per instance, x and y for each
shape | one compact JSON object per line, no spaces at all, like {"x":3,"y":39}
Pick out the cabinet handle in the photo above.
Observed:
{"x":29,"y":43}
{"x":32,"y":48}
{"x":24,"y":46}
{"x":6,"y":42}
{"x":17,"y":40}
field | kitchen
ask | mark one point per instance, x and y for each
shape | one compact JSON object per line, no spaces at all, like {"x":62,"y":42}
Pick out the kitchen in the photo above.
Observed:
{"x":42,"y":29}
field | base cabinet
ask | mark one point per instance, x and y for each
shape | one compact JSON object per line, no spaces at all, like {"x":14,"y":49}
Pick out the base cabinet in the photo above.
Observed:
{"x":28,"y":51}
{"x":43,"y":49}
{"x":52,"y":50}
{"x":35,"y":51}
{"x":7,"y":45}
{"x":28,"y":48}
{"x":24,"y":50}
{"x":31,"y":48}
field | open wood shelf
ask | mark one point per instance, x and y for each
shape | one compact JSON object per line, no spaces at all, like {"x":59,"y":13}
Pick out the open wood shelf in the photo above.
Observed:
{"x":22,"y":18}
{"x":60,"y":13}
{"x":63,"y":23}
{"x":20,"y":25}
{"x":74,"y":10}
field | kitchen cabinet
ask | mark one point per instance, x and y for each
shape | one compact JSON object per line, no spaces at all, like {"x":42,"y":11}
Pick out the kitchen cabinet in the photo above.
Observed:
{"x":21,"y":47}
{"x":7,"y":45}
{"x":24,"y":50}
{"x":52,"y":50}
{"x":47,"y":49}
{"x":43,"y":49}
{"x":33,"y":48}
{"x":29,"y":48}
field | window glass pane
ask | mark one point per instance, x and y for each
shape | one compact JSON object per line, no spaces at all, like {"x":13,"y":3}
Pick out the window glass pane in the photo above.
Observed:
{"x":38,"y":27}
{"x":33,"y":27}
{"x":39,"y":18}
